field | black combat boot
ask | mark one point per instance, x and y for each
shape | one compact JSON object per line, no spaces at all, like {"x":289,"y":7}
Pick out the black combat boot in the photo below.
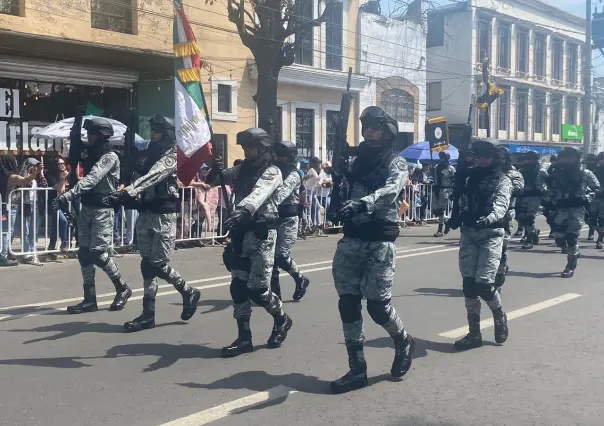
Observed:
{"x":528,"y":243}
{"x":88,"y":304}
{"x":243,"y":344}
{"x":279,"y":333}
{"x":301,"y":286}
{"x":146,"y":320}
{"x":356,"y":378}
{"x":501,"y":326}
{"x":439,"y":232}
{"x":473,"y":339}
{"x":536,"y":236}
{"x":447,"y":228}
{"x":189,"y":303}
{"x":571,"y":266}
{"x":599,"y":244}
{"x":591,"y":234}
{"x":403,"y":355}
{"x":123,"y":293}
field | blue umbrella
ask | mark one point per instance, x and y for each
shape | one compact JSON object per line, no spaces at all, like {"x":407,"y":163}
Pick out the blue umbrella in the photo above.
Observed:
{"x":421,"y":152}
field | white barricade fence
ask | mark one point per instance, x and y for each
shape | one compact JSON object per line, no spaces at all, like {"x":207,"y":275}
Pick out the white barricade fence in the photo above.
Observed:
{"x":3,"y":225}
{"x":201,"y":215}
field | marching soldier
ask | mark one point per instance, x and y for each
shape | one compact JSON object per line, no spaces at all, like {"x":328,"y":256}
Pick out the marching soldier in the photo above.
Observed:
{"x":535,"y":187}
{"x":444,"y":176}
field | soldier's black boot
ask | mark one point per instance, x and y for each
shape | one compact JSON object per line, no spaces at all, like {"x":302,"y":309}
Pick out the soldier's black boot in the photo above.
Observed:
{"x":243,"y":344}
{"x":439,"y":232}
{"x":571,"y":266}
{"x":403,"y":355}
{"x":123,"y":293}
{"x":599,"y":244}
{"x":591,"y":234}
{"x":301,"y":286}
{"x":447,"y":227}
{"x":282,"y":325}
{"x":189,"y":303}
{"x":501,"y":326}
{"x":536,"y":236}
{"x":88,"y":304}
{"x":356,"y":378}
{"x":528,"y":242}
{"x":146,"y":320}
{"x":473,"y":339}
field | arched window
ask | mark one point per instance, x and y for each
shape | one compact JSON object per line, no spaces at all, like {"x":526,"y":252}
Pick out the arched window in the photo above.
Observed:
{"x":400,"y":104}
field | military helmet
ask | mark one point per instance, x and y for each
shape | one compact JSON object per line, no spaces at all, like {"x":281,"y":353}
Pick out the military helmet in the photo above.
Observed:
{"x":254,"y":135}
{"x":485,"y":147}
{"x":286,"y":149}
{"x":570,"y":152}
{"x":531,"y":156}
{"x":443,"y":155}
{"x":591,"y":158}
{"x":161,"y":124}
{"x":601,"y":156}
{"x":99,"y":126}
{"x":376,"y":116}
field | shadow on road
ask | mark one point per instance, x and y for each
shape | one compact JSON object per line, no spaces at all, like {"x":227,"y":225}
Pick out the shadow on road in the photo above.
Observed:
{"x":535,"y":274}
{"x":447,"y":242}
{"x":418,"y":421}
{"x":216,"y":305}
{"x":422,"y":347}
{"x":64,"y":362}
{"x":447,"y":292}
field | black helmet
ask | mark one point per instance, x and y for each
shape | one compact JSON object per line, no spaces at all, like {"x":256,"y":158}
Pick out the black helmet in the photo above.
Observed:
{"x":161,"y":124}
{"x":286,"y":149}
{"x":591,"y":158}
{"x":570,"y":152}
{"x":531,"y":156}
{"x":254,"y":135}
{"x":601,"y":156}
{"x":486,"y":147}
{"x":99,"y":126}
{"x":443,"y":155}
{"x":376,"y":116}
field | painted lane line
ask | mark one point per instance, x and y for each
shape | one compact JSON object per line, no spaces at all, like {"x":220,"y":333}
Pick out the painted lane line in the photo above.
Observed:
{"x":462,"y":331}
{"x":205,"y":287}
{"x":202,"y":280}
{"x":230,"y":408}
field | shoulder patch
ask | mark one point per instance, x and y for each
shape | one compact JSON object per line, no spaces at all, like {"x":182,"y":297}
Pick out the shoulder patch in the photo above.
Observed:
{"x":170,"y":161}
{"x":108,"y":159}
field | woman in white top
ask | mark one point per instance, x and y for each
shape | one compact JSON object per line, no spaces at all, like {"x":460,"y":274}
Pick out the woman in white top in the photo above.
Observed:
{"x":311,"y":180}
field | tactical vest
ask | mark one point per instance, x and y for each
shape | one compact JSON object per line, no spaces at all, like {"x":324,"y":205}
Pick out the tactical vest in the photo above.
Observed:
{"x":530,"y":180}
{"x":481,"y":197}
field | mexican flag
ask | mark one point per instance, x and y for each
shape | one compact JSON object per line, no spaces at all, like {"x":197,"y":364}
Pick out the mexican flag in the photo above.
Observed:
{"x":193,"y":134}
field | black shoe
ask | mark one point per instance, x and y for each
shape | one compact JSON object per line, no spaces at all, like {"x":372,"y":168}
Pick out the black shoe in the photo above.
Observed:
{"x":243,"y":344}
{"x":189,"y":304}
{"x":501,"y":328}
{"x":301,"y":288}
{"x":536,"y":237}
{"x":591,"y":235}
{"x":5,"y":262}
{"x":599,"y":245}
{"x":279,"y":333}
{"x":528,"y":245}
{"x":356,"y":378}
{"x":447,"y":228}
{"x":571,"y":266}
{"x":121,"y":298}
{"x":83,"y":307}
{"x":470,"y":341}
{"x":403,"y":355}
{"x":439,"y":232}
{"x":144,"y":322}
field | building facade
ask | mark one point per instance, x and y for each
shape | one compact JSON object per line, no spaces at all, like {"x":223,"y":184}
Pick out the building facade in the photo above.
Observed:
{"x":534,"y":53}
{"x":393,"y":57}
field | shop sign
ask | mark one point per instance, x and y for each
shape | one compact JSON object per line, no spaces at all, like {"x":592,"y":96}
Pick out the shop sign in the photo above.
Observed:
{"x":572,"y":132}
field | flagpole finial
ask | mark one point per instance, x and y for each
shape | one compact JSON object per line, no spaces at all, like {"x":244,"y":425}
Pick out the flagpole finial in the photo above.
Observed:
{"x":177,"y":4}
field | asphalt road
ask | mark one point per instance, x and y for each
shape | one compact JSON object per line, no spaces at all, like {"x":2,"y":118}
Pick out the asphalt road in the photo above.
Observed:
{"x":57,"y":369}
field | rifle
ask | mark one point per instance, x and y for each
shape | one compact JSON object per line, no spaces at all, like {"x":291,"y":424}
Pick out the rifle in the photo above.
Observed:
{"x":76,"y":147}
{"x":340,"y":152}
{"x":130,"y":151}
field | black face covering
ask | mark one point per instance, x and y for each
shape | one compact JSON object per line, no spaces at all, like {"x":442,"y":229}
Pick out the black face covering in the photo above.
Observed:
{"x":157,"y":150}
{"x":94,"y":152}
{"x":249,"y":173}
{"x":286,"y":168}
{"x":370,"y":155}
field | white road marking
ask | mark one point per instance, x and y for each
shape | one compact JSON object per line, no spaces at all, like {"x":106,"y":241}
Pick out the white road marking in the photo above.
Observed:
{"x":229,"y":408}
{"x":205,"y":287}
{"x":462,"y":331}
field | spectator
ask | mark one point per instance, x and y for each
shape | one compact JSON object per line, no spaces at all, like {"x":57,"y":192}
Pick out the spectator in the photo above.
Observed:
{"x":311,"y":181}
{"x":30,"y":220}
{"x":325,"y":184}
{"x":57,"y":182}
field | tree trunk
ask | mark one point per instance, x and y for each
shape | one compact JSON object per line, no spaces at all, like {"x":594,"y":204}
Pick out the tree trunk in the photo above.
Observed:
{"x":266,"y":95}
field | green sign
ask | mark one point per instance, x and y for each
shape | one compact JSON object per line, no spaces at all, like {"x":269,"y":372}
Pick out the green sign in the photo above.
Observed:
{"x":572,"y":132}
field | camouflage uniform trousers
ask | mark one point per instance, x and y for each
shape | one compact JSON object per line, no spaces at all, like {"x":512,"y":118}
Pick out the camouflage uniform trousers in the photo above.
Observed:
{"x":479,"y":259}
{"x":95,"y":233}
{"x":365,"y":269}
{"x":526,"y":209}
{"x":507,"y":237}
{"x":440,"y":204}
{"x":287,"y":234}
{"x":251,"y":274}
{"x":156,"y":236}
{"x":568,"y":224}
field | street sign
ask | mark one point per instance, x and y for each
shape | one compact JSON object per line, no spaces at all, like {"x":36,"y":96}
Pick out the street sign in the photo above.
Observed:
{"x":572,"y":132}
{"x":437,"y":134}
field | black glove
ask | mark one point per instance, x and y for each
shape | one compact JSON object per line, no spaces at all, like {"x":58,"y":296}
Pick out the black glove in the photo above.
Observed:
{"x":454,"y":222}
{"x":351,"y":209}
{"x":218,"y":164}
{"x":116,"y":199}
{"x":482,"y":223}
{"x":236,"y":218}
{"x":59,"y":203}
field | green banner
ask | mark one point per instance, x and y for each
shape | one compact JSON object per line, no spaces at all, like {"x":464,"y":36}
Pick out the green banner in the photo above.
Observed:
{"x":572,"y":132}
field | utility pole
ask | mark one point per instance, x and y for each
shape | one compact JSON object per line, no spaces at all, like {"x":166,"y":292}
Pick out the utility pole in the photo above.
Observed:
{"x":587,"y":118}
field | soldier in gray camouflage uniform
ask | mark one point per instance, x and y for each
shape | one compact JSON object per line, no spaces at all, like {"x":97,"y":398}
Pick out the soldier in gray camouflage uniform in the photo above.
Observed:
{"x":251,"y":253}
{"x":483,"y":205}
{"x":155,"y":195}
{"x":444,"y":177}
{"x":364,"y":262}
{"x":599,"y":202}
{"x":535,"y":188}
{"x":518,"y":184}
{"x":568,"y":194}
{"x":287,"y":197}
{"x":95,"y":221}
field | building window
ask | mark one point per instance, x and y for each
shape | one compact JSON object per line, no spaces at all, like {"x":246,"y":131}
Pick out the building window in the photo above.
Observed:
{"x":305,"y":132}
{"x":224,"y":98}
{"x":399,"y":104}
{"x":279,"y":122}
{"x":10,"y":7}
{"x":504,"y":109}
{"x":434,"y":90}
{"x":556,"y":104}
{"x":557,"y":56}
{"x":482,"y":118}
{"x":484,"y":40}
{"x":504,"y":46}
{"x":521,"y":109}
{"x":571,"y":110}
{"x":540,"y":55}
{"x":539,"y":111}
{"x":333,"y":37}
{"x":304,"y":37}
{"x":112,"y":15}
{"x":436,"y":30}
{"x":573,"y":57}
{"x":332,"y":118}
{"x":523,"y":51}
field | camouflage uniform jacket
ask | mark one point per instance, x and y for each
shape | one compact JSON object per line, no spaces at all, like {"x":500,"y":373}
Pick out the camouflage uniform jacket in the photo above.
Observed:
{"x":102,"y":179}
{"x":498,"y":192}
{"x":289,"y":193}
{"x":561,"y":190}
{"x":159,"y":182}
